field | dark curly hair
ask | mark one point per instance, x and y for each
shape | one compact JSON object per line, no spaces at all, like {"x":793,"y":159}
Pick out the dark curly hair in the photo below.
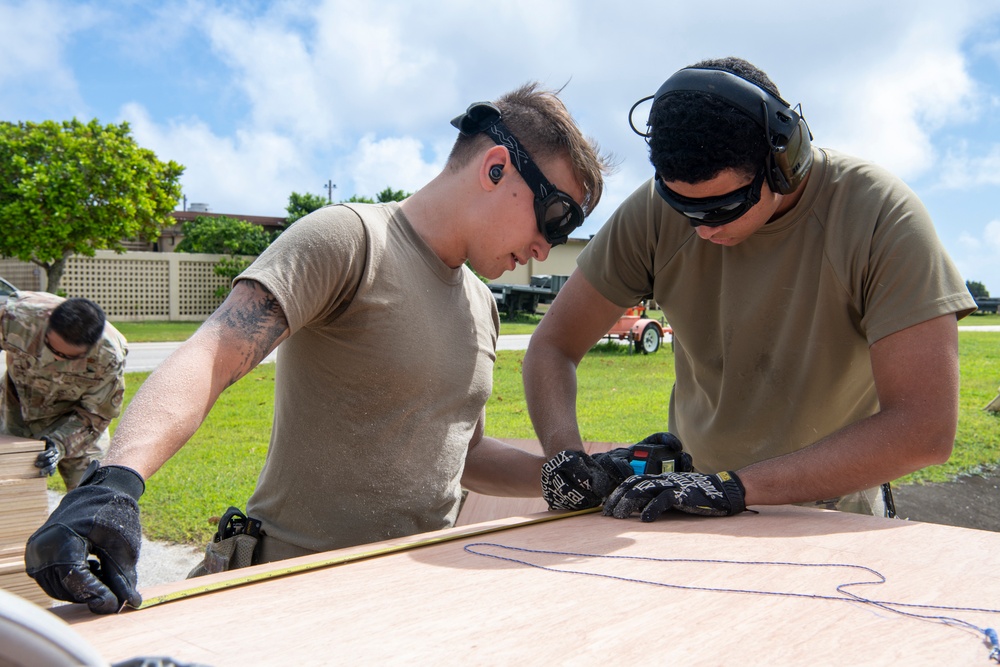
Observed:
{"x":695,"y":136}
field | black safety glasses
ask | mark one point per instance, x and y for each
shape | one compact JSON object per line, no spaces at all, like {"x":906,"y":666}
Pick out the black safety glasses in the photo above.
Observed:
{"x":62,"y":355}
{"x":556,"y":213}
{"x":714,"y":211}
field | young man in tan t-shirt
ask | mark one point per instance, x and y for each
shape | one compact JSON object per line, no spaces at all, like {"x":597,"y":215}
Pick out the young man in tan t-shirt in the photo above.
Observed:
{"x":813,"y":312}
{"x":356,"y":452}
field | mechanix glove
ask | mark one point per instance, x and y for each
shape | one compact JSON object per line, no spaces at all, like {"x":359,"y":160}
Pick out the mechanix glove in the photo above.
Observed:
{"x":99,"y":517}
{"x":47,"y":460}
{"x":573,"y":480}
{"x":691,"y":492}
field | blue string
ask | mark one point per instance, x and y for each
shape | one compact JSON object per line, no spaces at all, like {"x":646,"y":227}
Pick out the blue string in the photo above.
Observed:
{"x":845,"y":595}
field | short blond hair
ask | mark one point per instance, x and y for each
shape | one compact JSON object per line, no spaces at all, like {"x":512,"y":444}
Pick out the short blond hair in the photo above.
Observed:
{"x":544,"y":126}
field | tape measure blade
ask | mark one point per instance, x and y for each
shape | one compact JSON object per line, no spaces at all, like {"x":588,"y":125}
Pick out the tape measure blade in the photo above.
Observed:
{"x":348,"y":558}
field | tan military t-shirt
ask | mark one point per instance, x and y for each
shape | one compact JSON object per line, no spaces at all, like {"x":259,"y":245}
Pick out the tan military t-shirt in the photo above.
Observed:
{"x":380,"y":386}
{"x":771,"y":336}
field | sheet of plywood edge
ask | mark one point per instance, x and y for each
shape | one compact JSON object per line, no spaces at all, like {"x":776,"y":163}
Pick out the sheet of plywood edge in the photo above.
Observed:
{"x":478,"y":508}
{"x":443,"y":605}
{"x":212,"y":583}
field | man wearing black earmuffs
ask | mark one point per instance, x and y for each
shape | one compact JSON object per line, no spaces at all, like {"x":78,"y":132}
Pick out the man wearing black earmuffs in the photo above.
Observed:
{"x":385,"y":364}
{"x":813,"y":311}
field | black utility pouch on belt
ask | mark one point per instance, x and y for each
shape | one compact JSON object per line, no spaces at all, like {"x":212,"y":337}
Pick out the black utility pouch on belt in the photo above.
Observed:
{"x":234,"y":545}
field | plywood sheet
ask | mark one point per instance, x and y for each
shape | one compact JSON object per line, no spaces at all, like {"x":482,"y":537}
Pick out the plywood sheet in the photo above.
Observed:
{"x":443,"y":605}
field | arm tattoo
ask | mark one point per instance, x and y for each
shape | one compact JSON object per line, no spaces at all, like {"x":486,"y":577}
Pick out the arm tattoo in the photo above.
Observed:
{"x":253,"y":316}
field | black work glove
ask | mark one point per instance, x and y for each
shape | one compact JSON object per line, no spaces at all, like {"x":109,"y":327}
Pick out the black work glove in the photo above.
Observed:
{"x":670,"y":448}
{"x":691,"y":492}
{"x":573,"y":480}
{"x":48,"y":459}
{"x":100,"y":517}
{"x":155,"y":661}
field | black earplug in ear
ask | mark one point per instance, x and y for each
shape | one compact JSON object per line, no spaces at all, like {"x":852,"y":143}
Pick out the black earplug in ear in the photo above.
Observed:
{"x":496,"y":173}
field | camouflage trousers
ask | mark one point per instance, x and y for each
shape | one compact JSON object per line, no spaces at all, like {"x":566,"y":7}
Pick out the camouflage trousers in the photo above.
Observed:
{"x":71,"y":468}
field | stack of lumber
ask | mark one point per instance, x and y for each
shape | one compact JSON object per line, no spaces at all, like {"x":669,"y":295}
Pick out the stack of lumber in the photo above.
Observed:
{"x":23,"y":508}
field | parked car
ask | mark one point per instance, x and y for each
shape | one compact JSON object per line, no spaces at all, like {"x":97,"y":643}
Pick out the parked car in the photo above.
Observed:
{"x":6,"y":289}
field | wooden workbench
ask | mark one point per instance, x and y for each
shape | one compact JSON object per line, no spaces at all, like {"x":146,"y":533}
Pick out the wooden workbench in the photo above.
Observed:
{"x":441,"y":605}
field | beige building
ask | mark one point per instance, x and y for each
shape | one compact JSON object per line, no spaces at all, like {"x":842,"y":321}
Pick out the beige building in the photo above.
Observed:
{"x":561,"y":260}
{"x":152,"y":282}
{"x":171,"y":235}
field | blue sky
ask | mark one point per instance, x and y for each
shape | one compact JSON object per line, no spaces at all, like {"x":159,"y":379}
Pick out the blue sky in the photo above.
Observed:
{"x":259,"y":99}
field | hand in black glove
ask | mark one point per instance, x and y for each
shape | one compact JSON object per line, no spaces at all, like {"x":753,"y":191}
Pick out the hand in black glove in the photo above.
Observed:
{"x":691,"y":492}
{"x":573,"y":480}
{"x":666,"y":454}
{"x":48,"y":459}
{"x":99,"y":517}
{"x":576,"y":481}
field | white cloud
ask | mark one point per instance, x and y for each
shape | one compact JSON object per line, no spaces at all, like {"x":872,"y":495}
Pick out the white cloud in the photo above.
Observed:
{"x":273,"y":67}
{"x":992,"y":235}
{"x":33,"y":71}
{"x":961,"y":170}
{"x":354,"y":67}
{"x":976,"y":255}
{"x":250,"y":172}
{"x":392,"y":162}
{"x":294,"y":93}
{"x":888,"y":107}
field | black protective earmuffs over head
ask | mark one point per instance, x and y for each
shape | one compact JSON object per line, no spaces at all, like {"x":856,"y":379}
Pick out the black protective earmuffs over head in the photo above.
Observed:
{"x":787,"y":133}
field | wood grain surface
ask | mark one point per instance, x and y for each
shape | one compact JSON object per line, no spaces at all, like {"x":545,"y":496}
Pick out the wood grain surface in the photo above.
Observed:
{"x":23,"y":508}
{"x":442,"y":605}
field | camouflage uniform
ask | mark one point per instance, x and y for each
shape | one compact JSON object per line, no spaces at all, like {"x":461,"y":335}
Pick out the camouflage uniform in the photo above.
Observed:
{"x":72,"y":402}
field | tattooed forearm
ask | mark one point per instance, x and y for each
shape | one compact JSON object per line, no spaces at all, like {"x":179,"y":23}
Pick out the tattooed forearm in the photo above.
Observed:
{"x":253,"y":321}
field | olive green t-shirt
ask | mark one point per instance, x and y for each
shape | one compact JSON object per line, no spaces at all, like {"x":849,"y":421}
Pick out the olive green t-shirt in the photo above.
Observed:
{"x":771,"y":336}
{"x":380,"y":385}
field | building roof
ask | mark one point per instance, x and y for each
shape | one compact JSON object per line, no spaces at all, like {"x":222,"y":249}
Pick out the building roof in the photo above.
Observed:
{"x":263,"y":220}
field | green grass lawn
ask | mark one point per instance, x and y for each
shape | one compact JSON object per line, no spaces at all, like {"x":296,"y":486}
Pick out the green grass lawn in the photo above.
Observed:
{"x":981,"y":320}
{"x":522,"y":323}
{"x":156,"y":332}
{"x":622,"y":397}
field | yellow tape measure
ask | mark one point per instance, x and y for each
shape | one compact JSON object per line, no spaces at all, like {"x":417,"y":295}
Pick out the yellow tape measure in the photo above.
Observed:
{"x":474,"y":530}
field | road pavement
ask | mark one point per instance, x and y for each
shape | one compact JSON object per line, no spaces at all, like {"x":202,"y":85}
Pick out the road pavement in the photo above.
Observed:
{"x":144,"y":357}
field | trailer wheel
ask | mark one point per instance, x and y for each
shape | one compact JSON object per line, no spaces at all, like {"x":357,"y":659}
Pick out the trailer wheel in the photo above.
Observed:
{"x":650,"y":340}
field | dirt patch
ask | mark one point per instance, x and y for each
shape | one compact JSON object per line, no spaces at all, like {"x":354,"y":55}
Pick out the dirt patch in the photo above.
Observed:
{"x":970,"y":501}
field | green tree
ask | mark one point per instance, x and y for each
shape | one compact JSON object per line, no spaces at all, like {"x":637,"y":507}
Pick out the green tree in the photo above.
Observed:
{"x":302,"y":205}
{"x":358,"y":199}
{"x":229,"y":268}
{"x":388,"y":194}
{"x":223,"y":235}
{"x":977,"y":289}
{"x":72,"y":188}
